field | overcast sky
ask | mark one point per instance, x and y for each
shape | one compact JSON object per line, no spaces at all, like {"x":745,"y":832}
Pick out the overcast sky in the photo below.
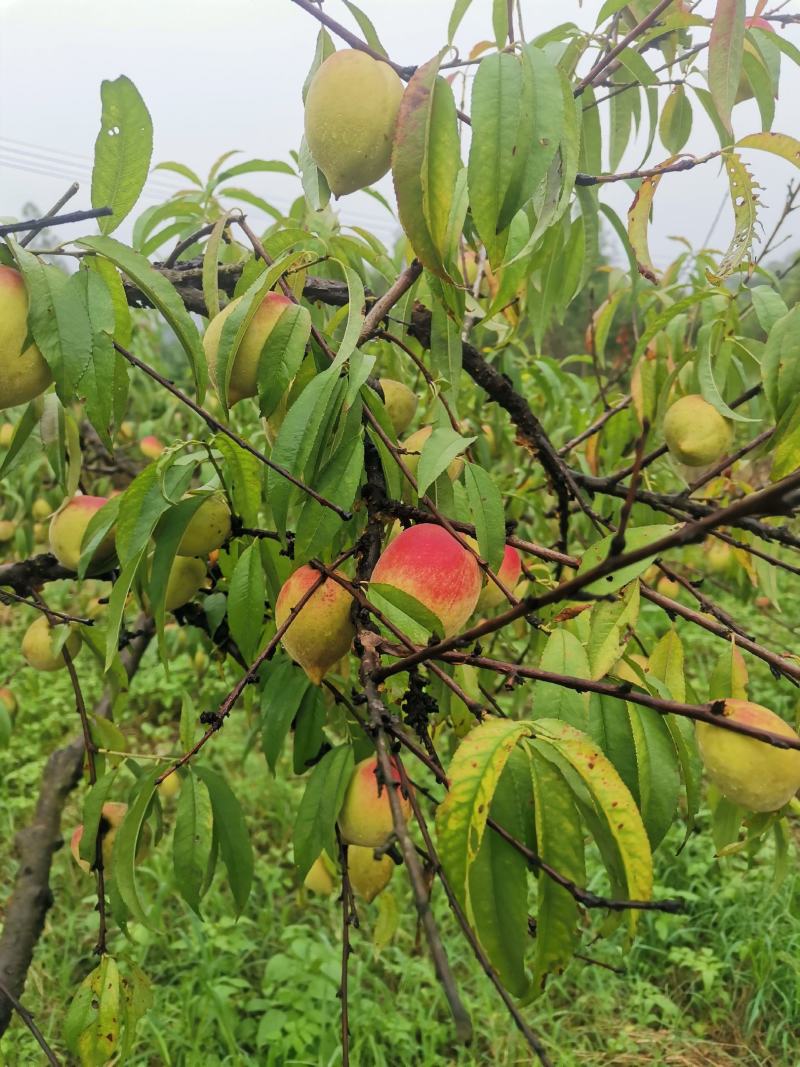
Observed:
{"x":227,"y":74}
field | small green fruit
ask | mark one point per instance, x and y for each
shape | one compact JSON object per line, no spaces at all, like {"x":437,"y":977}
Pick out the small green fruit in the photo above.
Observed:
{"x":400,"y":402}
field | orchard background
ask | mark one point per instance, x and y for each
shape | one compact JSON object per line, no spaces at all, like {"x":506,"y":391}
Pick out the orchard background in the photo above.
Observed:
{"x":399,"y":628}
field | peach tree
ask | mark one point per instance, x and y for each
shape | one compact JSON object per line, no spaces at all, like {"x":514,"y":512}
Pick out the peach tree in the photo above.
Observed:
{"x":446,"y":507}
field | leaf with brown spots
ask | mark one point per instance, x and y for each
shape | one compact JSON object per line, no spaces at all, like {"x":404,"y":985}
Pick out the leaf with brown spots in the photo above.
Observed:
{"x":613,"y":805}
{"x":461,"y":819}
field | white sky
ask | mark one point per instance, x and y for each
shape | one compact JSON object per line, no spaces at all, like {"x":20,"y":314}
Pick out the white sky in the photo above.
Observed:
{"x":222,"y":74}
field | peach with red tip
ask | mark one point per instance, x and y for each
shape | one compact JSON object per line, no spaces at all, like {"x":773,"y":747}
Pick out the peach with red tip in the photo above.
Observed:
{"x":427,"y":563}
{"x":366,"y":815}
{"x":322,"y":630}
{"x":509,"y":573}
{"x":67,"y":529}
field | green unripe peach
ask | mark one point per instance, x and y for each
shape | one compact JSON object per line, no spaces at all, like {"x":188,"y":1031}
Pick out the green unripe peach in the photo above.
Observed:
{"x":695,"y":432}
{"x":366,"y":815}
{"x":350,"y":116}
{"x":68,"y":526}
{"x":243,"y":380}
{"x":208,"y":528}
{"x":170,"y":787}
{"x":186,"y":576}
{"x":37,"y":646}
{"x":23,"y":375}
{"x":6,"y":434}
{"x":749,"y":772}
{"x":7,"y":530}
{"x":368,"y":876}
{"x":322,"y":631}
{"x":40,"y":509}
{"x":320,"y":877}
{"x":400,"y":402}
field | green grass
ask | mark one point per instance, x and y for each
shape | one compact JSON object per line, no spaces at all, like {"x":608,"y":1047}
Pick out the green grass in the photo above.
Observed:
{"x":719,"y":985}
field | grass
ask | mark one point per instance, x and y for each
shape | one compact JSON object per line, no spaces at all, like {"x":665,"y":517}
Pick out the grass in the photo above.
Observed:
{"x":718,"y":986}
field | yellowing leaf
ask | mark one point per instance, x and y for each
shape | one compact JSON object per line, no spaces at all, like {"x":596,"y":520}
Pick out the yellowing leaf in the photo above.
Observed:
{"x":461,"y":819}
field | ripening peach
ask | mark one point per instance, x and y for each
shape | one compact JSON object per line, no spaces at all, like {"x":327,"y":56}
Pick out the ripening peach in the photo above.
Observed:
{"x":427,"y":563}
{"x":368,"y":876}
{"x":366,"y":815}
{"x":414,"y":445}
{"x":509,"y":573}
{"x":23,"y":375}
{"x":8,"y":700}
{"x":322,"y":631}
{"x":7,"y":530}
{"x":320,"y":877}
{"x":695,"y":432}
{"x":243,"y":379}
{"x":400,"y":403}
{"x":67,"y":529}
{"x":151,"y":447}
{"x":37,"y":646}
{"x":6,"y":434}
{"x":749,"y":772}
{"x":110,"y":822}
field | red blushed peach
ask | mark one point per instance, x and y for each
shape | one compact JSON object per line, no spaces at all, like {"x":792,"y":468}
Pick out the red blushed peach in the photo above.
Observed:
{"x":322,"y":631}
{"x":151,"y":447}
{"x":510,"y":570}
{"x":366,"y":815}
{"x":427,"y":563}
{"x":68,"y":526}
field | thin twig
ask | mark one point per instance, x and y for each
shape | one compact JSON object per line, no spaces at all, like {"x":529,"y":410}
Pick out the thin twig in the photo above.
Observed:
{"x":27,"y":1018}
{"x":55,"y":220}
{"x":52,"y":213}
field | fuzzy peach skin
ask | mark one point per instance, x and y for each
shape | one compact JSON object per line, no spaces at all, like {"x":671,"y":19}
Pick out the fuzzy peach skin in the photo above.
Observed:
{"x":428,"y":563}
{"x":23,"y":375}
{"x":68,"y":526}
{"x":208,"y":528}
{"x":350,"y":115}
{"x":322,"y":631}
{"x":510,"y":570}
{"x":749,"y":772}
{"x":368,"y":876}
{"x":243,"y":380}
{"x":366,"y":815}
